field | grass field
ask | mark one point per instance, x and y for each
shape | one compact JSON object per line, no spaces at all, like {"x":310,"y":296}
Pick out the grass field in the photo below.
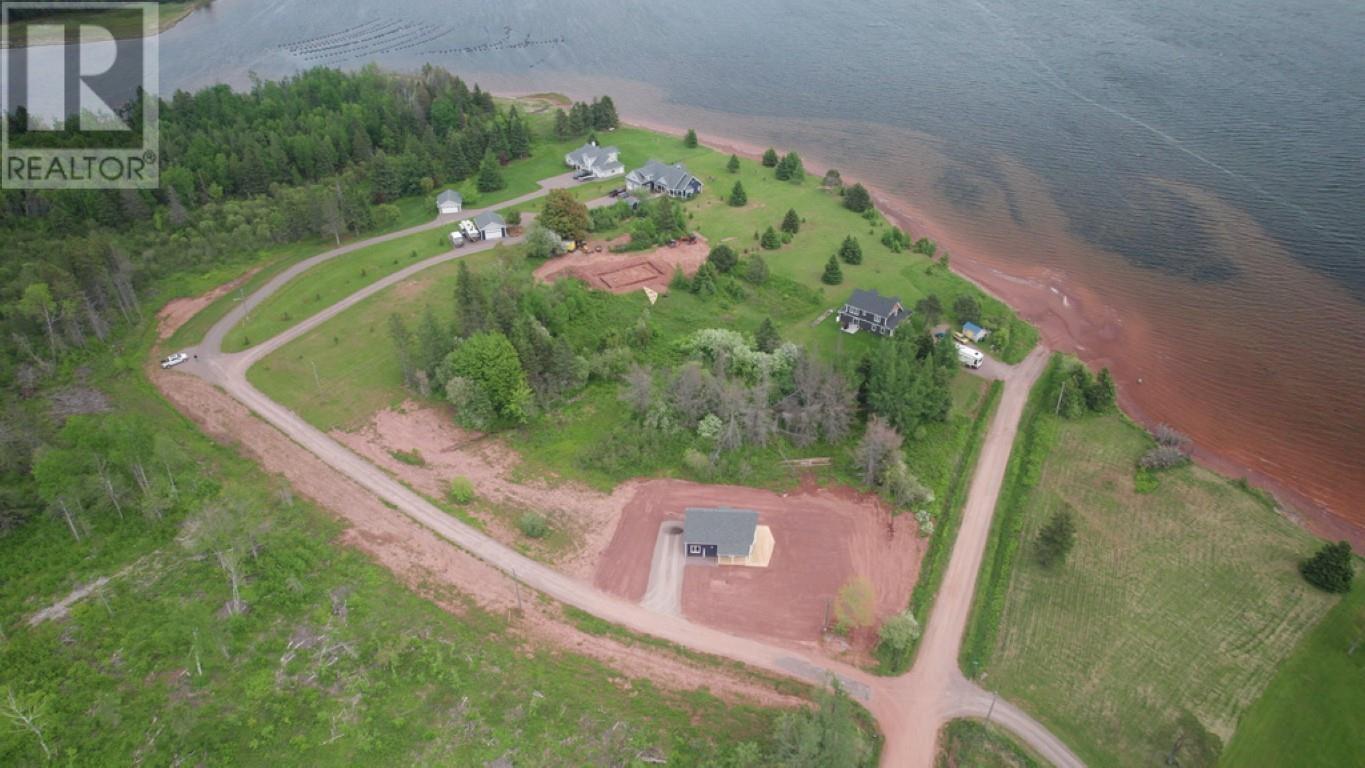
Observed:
{"x":1313,"y":711}
{"x":150,"y":670}
{"x":1183,"y":600}
{"x":974,"y":744}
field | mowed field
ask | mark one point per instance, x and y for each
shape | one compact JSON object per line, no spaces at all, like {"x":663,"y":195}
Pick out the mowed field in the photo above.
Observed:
{"x":1313,"y":712}
{"x":1185,"y":599}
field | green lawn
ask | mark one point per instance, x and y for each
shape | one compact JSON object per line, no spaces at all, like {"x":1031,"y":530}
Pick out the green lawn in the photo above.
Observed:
{"x":1313,"y":712}
{"x":1186,"y":599}
{"x":974,"y":744}
{"x":150,"y":670}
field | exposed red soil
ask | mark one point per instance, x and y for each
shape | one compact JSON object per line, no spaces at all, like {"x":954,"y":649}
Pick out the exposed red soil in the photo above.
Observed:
{"x":622,"y":273}
{"x":448,"y":451}
{"x":429,"y":565}
{"x":178,"y":311}
{"x":823,"y":538}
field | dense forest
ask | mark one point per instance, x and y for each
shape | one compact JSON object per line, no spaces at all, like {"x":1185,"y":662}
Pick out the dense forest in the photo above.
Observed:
{"x":323,"y":154}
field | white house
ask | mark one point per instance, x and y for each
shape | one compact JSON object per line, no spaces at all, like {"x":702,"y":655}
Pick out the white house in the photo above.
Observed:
{"x":672,"y":180}
{"x":449,"y":201}
{"x":490,"y":226}
{"x":594,"y":162}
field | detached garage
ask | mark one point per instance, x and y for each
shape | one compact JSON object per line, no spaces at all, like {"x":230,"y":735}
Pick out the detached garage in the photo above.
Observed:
{"x":729,"y":536}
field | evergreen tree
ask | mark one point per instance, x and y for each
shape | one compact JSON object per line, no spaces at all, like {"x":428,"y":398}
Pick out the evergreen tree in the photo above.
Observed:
{"x":733,"y":165}
{"x":471,"y":305}
{"x":857,"y":199}
{"x":770,"y":158}
{"x":723,"y":258}
{"x":832,"y":275}
{"x":1056,"y":539}
{"x":1331,"y":569}
{"x":737,"y":197}
{"x":607,"y":117}
{"x":767,"y":338}
{"x":518,"y":135}
{"x":791,"y":223}
{"x":789,"y":168}
{"x":770,"y":239}
{"x":690,"y":140}
{"x":386,"y":182}
{"x":490,"y":175}
{"x":704,"y":282}
{"x":850,"y":252}
{"x":562,"y":125}
{"x":930,"y":308}
{"x":756,"y":270}
{"x":967,"y":309}
{"x":1100,"y":395}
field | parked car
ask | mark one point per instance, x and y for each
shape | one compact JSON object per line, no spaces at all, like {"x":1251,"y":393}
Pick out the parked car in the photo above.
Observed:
{"x":174,"y":360}
{"x":617,"y":192}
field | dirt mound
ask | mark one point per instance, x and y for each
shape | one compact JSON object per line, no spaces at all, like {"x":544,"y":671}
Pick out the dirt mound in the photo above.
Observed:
{"x":824,"y":538}
{"x":622,"y":273}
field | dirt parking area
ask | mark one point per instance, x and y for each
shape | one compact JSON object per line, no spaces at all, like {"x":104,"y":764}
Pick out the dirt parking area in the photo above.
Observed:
{"x":622,"y":273}
{"x":824,"y":538}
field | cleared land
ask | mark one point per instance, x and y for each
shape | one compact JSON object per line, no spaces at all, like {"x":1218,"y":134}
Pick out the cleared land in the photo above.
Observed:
{"x":622,"y":273}
{"x":824,"y":539}
{"x":1313,"y":712}
{"x":1185,"y":599}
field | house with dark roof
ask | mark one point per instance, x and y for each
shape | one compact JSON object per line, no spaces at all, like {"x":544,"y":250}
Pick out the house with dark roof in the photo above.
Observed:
{"x":594,"y":162}
{"x":729,"y":536}
{"x":871,"y":311}
{"x":490,"y":226}
{"x":449,"y":201}
{"x":672,"y":180}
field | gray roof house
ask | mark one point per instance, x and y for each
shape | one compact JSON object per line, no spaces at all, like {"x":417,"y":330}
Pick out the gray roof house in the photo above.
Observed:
{"x":592,"y":161}
{"x":490,"y":225}
{"x":871,"y":311}
{"x":719,"y":533}
{"x":672,"y":180}
{"x":449,"y":201}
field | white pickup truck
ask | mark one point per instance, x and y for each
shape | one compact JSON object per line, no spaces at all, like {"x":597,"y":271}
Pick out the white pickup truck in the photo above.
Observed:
{"x":174,"y":360}
{"x":972,"y":358}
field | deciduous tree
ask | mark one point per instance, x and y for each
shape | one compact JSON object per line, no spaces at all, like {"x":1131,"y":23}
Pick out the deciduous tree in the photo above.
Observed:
{"x":566,"y":215}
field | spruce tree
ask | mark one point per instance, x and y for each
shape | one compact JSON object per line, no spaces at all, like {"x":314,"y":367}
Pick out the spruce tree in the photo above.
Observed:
{"x":737,"y":196}
{"x":767,"y":338}
{"x":1330,"y":569}
{"x":733,"y":165}
{"x":690,"y":140}
{"x":770,"y":158}
{"x":850,"y":251}
{"x":490,"y":176}
{"x":1056,"y":539}
{"x":857,"y":199}
{"x":770,"y":240}
{"x":791,"y":223}
{"x":562,"y":125}
{"x":723,"y":258}
{"x":833,"y":275}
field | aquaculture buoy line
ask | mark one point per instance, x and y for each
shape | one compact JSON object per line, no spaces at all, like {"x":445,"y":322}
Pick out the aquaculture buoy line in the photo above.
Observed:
{"x":343,"y":37}
{"x":502,"y":45}
{"x":359,"y":44}
{"x":349,"y":30}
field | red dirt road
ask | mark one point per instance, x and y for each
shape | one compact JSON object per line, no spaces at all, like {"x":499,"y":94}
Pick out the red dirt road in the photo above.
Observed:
{"x":823,"y":538}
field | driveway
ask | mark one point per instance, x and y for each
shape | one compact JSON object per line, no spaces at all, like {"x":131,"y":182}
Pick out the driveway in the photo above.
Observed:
{"x":664,"y":593}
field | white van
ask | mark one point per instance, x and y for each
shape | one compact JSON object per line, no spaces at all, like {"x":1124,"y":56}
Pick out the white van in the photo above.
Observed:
{"x":972,"y":358}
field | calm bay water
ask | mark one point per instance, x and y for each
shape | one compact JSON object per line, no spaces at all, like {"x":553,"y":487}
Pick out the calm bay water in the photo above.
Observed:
{"x":1176,"y":190}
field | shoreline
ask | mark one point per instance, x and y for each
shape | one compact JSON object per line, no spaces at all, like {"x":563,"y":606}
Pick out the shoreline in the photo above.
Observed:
{"x":1056,"y":307}
{"x":162,"y":26}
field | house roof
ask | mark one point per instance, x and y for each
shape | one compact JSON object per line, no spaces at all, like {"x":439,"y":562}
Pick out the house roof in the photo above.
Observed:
{"x":589,"y":155}
{"x":972,"y":329}
{"x":668,"y":176}
{"x":730,"y":530}
{"x":449,"y":196}
{"x":877,"y":304}
{"x":488,"y":219}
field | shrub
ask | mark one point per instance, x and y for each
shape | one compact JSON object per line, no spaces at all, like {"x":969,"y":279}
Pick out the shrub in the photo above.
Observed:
{"x":832,"y":275}
{"x":698,"y":462}
{"x":899,"y":633}
{"x":514,"y":219}
{"x":733,"y":165}
{"x":690,"y":140}
{"x":723,"y":258}
{"x":1330,"y":569}
{"x":679,"y":281}
{"x":756,"y":270}
{"x":1165,"y":434}
{"x":771,"y":240}
{"x":857,"y":199}
{"x":1163,"y":457}
{"x":1056,"y":539}
{"x":411,"y":458}
{"x":770,"y":158}
{"x":461,"y":490}
{"x":855,"y":607}
{"x":533,"y":526}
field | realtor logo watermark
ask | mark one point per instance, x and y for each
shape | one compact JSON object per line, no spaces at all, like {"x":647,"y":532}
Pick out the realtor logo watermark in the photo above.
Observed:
{"x":68,"y":90}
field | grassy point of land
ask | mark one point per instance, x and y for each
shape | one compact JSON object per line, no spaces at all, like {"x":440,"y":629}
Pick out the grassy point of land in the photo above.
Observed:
{"x":1180,"y":602}
{"x":123,"y":24}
